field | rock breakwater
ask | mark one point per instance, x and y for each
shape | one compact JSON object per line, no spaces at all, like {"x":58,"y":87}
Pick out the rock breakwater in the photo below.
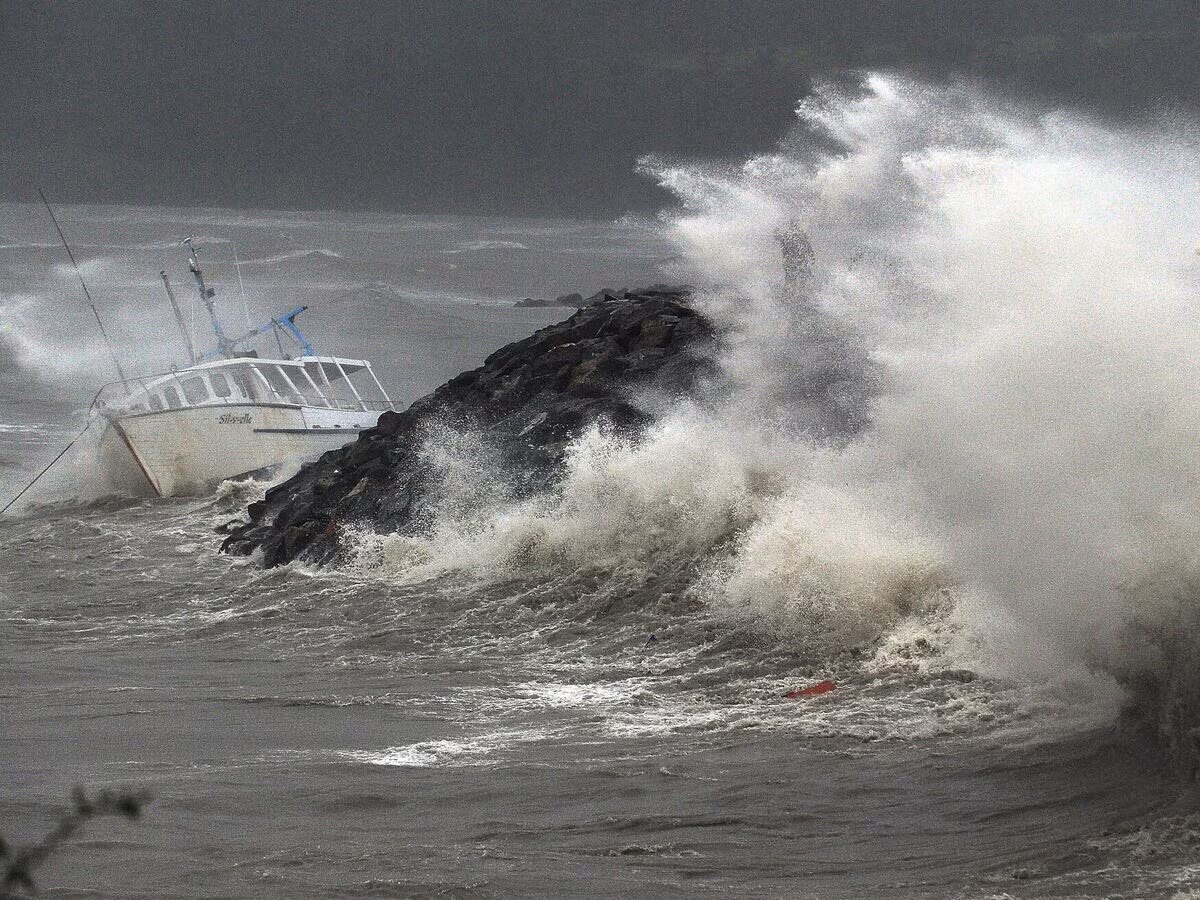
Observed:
{"x":528,"y":401}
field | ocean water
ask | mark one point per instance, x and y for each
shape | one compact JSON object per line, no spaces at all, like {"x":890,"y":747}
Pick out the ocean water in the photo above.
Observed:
{"x":956,"y":477}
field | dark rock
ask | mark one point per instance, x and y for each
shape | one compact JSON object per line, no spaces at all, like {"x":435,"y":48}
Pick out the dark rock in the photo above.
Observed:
{"x":527,"y":402}
{"x":605,"y":294}
{"x":654,"y":332}
{"x":297,"y":537}
{"x":301,"y":509}
{"x":536,"y":302}
{"x":569,"y":300}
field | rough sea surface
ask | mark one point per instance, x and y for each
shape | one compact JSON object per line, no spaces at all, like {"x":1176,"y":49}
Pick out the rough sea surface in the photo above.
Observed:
{"x":583,"y":695}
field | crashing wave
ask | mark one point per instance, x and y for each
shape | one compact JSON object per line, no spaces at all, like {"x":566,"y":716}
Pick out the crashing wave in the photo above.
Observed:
{"x":982,"y":399}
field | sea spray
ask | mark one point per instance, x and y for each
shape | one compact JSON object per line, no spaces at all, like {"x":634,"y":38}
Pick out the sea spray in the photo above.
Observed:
{"x":619,"y":506}
{"x":739,"y":522}
{"x":979,"y":400}
{"x":24,"y":352}
{"x":1027,"y":287}
{"x":822,"y":571}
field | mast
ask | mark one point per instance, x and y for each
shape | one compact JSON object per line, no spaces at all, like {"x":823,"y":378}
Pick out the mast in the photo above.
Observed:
{"x":225,"y":346}
{"x":187,"y":338}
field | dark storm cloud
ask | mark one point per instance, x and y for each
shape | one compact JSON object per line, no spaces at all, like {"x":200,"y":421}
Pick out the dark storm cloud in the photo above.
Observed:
{"x":507,"y":106}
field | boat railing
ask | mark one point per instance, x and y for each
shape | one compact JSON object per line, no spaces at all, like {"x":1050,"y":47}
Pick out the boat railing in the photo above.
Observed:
{"x":187,"y":389}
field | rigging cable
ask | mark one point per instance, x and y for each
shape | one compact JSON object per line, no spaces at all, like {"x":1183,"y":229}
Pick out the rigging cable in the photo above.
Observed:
{"x":86,"y":292}
{"x":50,"y":465}
{"x":241,"y":284}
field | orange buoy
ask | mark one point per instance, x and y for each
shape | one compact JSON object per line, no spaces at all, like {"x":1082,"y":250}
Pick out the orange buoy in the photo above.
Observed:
{"x":821,"y":687}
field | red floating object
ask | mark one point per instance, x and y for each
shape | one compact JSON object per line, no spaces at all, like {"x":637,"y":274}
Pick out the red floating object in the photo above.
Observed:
{"x":821,"y":687}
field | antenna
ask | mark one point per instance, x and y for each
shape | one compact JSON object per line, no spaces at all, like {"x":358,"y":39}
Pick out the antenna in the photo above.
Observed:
{"x":224,"y":345}
{"x":83,"y":284}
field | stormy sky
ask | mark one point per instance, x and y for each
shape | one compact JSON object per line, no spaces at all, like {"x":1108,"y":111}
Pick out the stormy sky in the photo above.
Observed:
{"x":513,"y":106}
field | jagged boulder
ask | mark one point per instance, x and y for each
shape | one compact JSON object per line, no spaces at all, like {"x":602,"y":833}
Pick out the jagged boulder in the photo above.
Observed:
{"x":529,"y":400}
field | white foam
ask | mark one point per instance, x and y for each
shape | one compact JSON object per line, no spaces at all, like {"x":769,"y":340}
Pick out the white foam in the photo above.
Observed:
{"x":1027,"y":285}
{"x":421,"y":755}
{"x":483,"y":245}
{"x":315,"y":253}
{"x":1012,"y":294}
{"x":446,"y":752}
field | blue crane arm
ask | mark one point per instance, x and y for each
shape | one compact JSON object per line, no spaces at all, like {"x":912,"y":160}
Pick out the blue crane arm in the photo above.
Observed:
{"x":286,"y":322}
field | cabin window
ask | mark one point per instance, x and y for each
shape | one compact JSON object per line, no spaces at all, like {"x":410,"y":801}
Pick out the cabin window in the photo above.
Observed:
{"x":195,"y":390}
{"x":263,"y":389}
{"x":279,"y":384}
{"x":155,"y":403}
{"x":219,"y":385}
{"x":172,"y":397}
{"x":242,"y":383}
{"x":335,"y":387}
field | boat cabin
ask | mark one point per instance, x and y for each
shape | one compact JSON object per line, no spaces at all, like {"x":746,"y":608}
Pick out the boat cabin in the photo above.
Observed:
{"x":312,"y":381}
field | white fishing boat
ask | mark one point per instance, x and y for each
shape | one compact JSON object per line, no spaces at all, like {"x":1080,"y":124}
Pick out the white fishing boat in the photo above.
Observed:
{"x":231,"y":412}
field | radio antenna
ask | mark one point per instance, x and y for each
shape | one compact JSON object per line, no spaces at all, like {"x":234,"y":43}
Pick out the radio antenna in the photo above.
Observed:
{"x":225,"y":346}
{"x":62,"y":237}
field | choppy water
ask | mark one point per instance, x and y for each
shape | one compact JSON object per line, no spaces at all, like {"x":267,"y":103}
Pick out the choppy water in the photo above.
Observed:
{"x":583,"y":694}
{"x":316,"y":733}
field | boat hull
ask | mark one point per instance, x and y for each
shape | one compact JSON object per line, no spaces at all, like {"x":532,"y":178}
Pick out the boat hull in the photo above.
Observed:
{"x":189,"y":451}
